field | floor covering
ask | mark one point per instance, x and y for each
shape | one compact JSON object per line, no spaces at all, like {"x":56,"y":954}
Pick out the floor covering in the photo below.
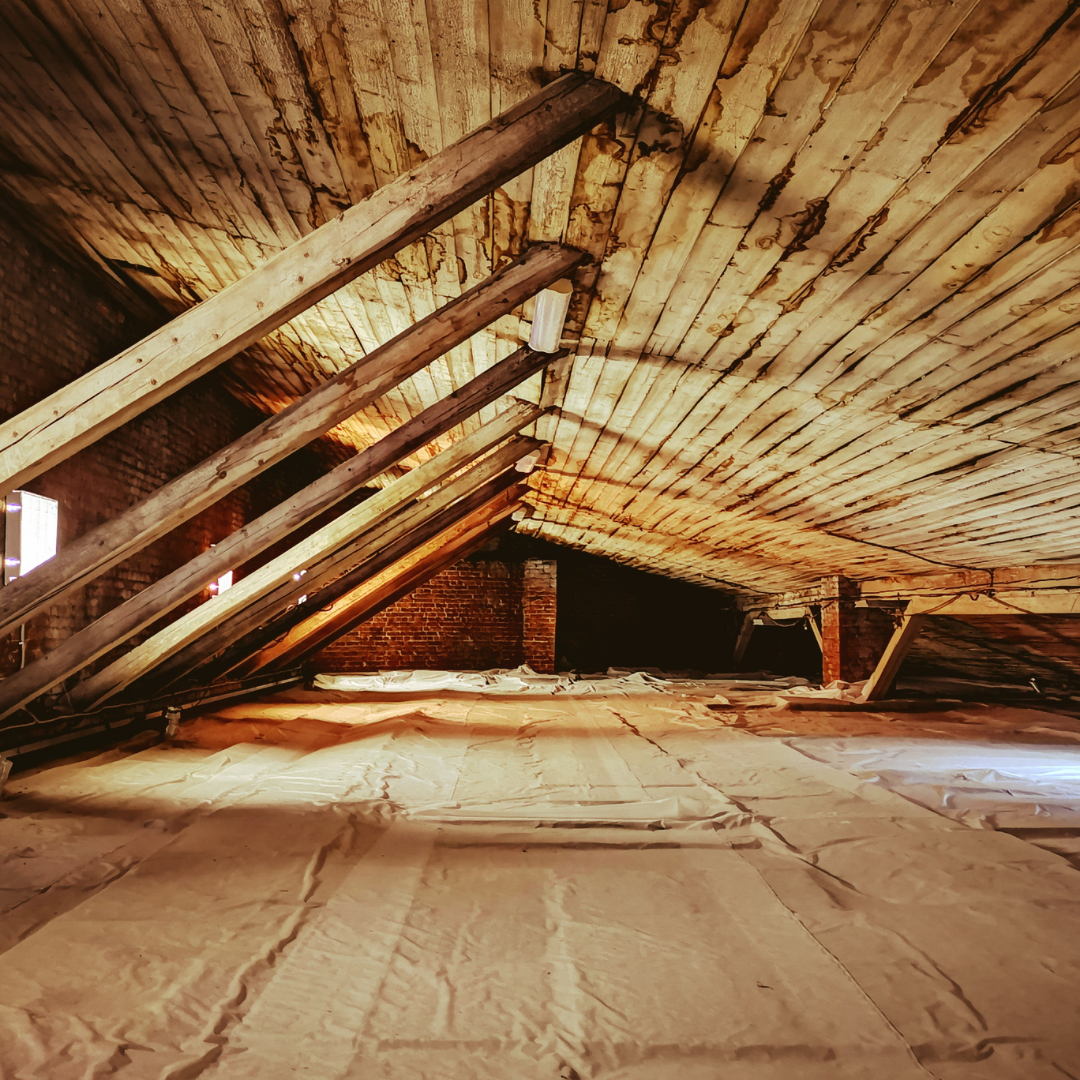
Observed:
{"x":640,"y":885}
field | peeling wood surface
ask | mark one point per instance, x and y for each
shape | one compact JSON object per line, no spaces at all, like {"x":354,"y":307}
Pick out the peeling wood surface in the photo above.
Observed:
{"x":833,"y":323}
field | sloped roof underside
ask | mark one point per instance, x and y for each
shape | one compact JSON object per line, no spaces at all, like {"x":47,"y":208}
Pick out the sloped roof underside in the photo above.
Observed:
{"x":832,"y":323}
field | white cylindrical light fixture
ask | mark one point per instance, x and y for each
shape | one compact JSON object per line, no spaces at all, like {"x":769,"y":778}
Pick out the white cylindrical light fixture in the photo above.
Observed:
{"x":551,"y":307}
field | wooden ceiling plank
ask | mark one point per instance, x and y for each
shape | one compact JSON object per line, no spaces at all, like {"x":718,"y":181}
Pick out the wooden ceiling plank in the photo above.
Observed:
{"x":179,"y":117}
{"x":461,"y":67}
{"x":715,"y":416}
{"x":673,"y":111}
{"x":213,"y":41}
{"x":665,"y":409}
{"x":1039,"y":311}
{"x":756,"y":442}
{"x":93,"y":86}
{"x":553,"y":178}
{"x":299,"y":127}
{"x":516,"y":59}
{"x":916,"y":232}
{"x":921,"y":271}
{"x":781,"y":95}
{"x":82,"y":124}
{"x":671,"y":394}
{"x":897,"y":52}
{"x":322,"y":35}
{"x":875,"y":193}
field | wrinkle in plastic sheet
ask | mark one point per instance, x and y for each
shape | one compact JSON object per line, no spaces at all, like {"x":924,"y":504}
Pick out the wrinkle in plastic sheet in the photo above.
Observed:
{"x":614,"y":887}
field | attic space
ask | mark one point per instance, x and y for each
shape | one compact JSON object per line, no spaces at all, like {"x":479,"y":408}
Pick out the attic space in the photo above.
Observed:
{"x":541,"y":539}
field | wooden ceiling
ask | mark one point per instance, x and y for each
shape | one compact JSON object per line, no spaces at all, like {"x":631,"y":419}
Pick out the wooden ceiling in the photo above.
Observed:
{"x":832,"y":322}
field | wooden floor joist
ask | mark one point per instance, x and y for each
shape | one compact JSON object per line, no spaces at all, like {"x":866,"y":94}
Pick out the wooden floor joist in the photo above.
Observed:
{"x":329,"y":538}
{"x":311,"y":269}
{"x":158,"y":599}
{"x":274,"y":439}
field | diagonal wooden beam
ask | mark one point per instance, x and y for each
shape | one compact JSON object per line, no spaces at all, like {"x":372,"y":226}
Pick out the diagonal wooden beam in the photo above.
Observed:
{"x":338,"y":533}
{"x":379,"y":579}
{"x":163,"y":596}
{"x":254,"y":641}
{"x":399,"y":586}
{"x":324,"y":574}
{"x":880,"y":682}
{"x":746,"y":631}
{"x":301,"y":275}
{"x":276,"y":438}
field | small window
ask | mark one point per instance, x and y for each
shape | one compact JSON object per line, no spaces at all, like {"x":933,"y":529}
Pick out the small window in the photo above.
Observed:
{"x":32,"y":523}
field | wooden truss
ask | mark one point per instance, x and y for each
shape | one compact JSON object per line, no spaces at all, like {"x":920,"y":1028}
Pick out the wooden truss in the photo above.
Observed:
{"x":403,"y":513}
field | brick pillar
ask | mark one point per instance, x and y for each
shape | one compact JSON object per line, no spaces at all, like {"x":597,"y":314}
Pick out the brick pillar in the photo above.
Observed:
{"x":852,"y":638}
{"x":538,"y":615}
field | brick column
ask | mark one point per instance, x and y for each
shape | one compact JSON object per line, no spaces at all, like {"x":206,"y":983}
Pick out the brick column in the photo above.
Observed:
{"x":538,"y":615}
{"x":852,"y":638}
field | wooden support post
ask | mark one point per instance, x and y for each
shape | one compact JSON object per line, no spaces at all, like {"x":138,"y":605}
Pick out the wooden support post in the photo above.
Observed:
{"x":301,"y":275}
{"x":508,"y":486}
{"x":745,"y":633}
{"x":158,"y":599}
{"x":816,"y":631}
{"x":385,"y":542}
{"x":274,"y":439}
{"x":423,"y":560}
{"x":344,"y":529}
{"x":884,"y":675}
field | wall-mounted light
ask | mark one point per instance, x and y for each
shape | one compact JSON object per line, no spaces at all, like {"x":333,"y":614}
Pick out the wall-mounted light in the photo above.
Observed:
{"x":549,"y":315}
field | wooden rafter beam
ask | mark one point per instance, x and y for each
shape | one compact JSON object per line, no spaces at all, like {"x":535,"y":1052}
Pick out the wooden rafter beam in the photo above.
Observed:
{"x":409,"y":571}
{"x":1006,"y":603}
{"x":323,"y":577}
{"x":274,"y":439}
{"x":347,"y":527}
{"x":163,"y":596}
{"x":432,"y":525}
{"x":301,"y":275}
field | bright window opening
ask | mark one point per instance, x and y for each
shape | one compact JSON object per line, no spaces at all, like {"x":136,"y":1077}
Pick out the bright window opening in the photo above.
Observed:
{"x":32,"y":524}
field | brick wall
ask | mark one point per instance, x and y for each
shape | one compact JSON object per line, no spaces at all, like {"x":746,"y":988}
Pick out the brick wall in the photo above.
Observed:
{"x":469,"y":617}
{"x":538,"y":612}
{"x":56,"y":324}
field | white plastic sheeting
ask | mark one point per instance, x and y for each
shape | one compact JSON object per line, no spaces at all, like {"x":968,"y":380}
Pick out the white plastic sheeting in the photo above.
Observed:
{"x":460,"y":888}
{"x":523,"y":680}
